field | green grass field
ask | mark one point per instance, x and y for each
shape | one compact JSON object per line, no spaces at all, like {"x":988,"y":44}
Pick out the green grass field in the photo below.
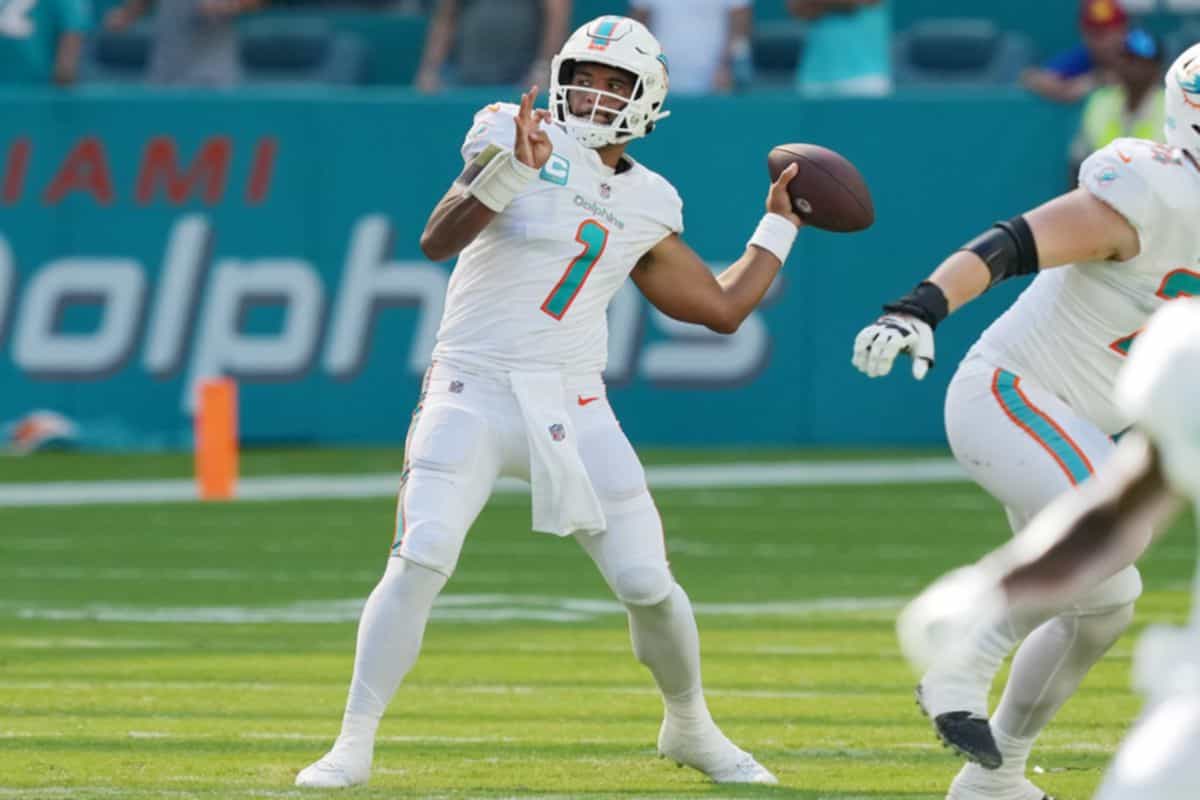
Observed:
{"x":178,"y":651}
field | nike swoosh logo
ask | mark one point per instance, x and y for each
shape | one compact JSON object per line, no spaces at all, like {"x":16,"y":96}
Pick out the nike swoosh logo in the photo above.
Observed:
{"x":640,"y":50}
{"x":1123,"y":157}
{"x":583,"y":401}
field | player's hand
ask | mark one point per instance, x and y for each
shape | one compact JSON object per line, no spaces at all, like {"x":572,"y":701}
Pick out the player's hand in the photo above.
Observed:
{"x":779,"y":201}
{"x":532,"y":146}
{"x":878,"y":344}
{"x":941,"y":617}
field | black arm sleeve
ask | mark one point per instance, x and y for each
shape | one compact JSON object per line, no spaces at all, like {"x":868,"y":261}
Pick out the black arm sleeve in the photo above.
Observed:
{"x":1008,"y":249}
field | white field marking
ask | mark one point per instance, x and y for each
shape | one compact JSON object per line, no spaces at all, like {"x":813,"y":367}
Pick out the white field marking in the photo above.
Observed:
{"x":173,"y":574}
{"x":314,"y":487}
{"x":25,"y":643}
{"x":460,"y":608}
{"x":487,"y":689}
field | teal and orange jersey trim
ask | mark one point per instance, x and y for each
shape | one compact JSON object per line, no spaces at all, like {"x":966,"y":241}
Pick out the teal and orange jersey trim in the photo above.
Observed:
{"x":1040,"y":426}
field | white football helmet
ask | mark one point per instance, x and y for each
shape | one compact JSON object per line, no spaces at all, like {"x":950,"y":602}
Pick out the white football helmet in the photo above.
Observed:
{"x":1183,"y":101}
{"x":615,"y":42}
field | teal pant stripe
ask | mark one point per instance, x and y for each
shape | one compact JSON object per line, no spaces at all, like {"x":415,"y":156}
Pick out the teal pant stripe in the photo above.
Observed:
{"x":1041,"y":427}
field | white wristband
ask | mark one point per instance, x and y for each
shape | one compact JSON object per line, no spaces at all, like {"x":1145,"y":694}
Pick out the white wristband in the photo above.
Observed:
{"x":501,"y":178}
{"x":775,"y":234}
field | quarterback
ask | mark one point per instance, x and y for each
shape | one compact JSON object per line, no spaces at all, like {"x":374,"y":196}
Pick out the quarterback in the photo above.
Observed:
{"x":548,"y":218}
{"x":1083,"y":536}
{"x":1032,"y":410}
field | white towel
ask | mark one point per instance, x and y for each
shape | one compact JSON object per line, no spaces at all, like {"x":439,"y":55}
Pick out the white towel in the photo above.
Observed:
{"x":564,"y":500}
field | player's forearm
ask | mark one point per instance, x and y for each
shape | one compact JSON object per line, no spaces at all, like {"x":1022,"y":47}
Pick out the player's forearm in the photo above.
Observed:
{"x":743,"y":285}
{"x":453,"y":225}
{"x":962,"y":277}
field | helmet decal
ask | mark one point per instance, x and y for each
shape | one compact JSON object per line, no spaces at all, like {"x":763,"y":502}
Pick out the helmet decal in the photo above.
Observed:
{"x":604,"y":33}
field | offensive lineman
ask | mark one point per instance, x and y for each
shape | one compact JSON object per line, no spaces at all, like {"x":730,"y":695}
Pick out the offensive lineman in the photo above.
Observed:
{"x":1083,"y":536}
{"x":550,"y":216}
{"x":1031,"y":409}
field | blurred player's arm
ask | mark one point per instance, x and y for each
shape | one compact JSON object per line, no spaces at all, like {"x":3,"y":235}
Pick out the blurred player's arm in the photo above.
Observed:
{"x":1071,"y":228}
{"x":466,"y":209}
{"x":678,"y":282}
{"x":1090,"y":534}
{"x":1075,"y":543}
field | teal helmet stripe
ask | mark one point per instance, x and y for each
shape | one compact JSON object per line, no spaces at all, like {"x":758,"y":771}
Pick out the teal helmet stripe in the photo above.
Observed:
{"x":605,"y":29}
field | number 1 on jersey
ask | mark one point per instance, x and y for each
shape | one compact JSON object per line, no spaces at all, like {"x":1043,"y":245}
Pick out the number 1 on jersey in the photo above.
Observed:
{"x":593,"y":236}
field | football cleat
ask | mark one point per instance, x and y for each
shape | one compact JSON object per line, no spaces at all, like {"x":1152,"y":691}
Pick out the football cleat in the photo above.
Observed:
{"x":965,"y":732}
{"x":710,"y":751}
{"x":337,"y":769}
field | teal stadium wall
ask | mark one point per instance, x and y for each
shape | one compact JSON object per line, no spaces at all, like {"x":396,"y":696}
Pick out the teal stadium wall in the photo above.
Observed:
{"x":89,"y":177}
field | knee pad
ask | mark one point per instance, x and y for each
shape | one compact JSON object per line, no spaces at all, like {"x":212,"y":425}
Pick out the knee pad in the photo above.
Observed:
{"x":1122,"y":589}
{"x":643,"y":585}
{"x":433,"y":545}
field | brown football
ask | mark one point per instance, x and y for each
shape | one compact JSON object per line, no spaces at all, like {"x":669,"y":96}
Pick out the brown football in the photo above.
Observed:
{"x":828,"y":192}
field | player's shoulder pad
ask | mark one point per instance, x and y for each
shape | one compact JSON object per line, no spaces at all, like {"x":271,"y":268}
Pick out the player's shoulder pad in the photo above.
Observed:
{"x":1163,"y":173}
{"x":665,"y":198}
{"x":497,"y":111}
{"x":493,"y":124}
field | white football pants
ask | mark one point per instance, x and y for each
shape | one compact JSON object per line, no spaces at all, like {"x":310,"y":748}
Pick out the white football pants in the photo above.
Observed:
{"x":468,"y":430}
{"x":1026,"y":447}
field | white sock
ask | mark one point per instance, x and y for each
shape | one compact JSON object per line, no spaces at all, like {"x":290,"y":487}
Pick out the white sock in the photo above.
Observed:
{"x":666,"y":640}
{"x":389,"y":639}
{"x":1008,"y":782}
{"x":1050,"y":665}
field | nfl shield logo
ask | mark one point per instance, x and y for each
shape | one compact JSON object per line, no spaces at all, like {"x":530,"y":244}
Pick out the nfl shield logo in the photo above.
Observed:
{"x":605,"y":190}
{"x":456,"y":387}
{"x":558,"y":432}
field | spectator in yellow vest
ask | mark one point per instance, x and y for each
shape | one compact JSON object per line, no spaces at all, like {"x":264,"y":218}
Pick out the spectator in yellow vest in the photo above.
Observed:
{"x":1130,"y":107}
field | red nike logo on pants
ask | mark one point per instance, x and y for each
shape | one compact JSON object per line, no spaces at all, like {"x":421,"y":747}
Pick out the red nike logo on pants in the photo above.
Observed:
{"x":583,"y":401}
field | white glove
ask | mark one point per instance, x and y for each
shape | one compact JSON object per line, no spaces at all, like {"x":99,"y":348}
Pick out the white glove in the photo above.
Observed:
{"x":878,"y":344}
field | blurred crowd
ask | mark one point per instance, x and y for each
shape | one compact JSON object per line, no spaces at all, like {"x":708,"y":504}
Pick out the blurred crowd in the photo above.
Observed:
{"x":817,"y":47}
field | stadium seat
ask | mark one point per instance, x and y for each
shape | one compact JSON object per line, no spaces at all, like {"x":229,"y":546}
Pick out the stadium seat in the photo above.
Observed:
{"x":116,"y":57}
{"x":777,"y":46}
{"x":300,"y":50}
{"x":965,"y":52}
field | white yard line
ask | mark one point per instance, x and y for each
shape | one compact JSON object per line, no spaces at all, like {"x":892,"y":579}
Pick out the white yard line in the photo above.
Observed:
{"x":451,"y":607}
{"x":322,"y":487}
{"x":424,"y":688}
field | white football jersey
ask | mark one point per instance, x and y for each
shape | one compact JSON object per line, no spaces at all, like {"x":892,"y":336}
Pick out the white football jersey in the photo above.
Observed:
{"x":531,"y":292}
{"x":1072,"y":329}
{"x":1160,"y":391}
